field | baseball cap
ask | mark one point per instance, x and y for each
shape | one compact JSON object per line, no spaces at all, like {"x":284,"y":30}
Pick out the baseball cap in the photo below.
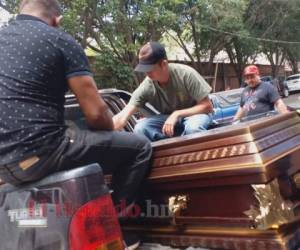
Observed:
{"x":251,"y":70}
{"x":150,"y":54}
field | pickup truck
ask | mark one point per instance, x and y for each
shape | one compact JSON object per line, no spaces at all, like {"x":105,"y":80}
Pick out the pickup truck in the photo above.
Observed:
{"x":225,"y":104}
{"x":231,"y":187}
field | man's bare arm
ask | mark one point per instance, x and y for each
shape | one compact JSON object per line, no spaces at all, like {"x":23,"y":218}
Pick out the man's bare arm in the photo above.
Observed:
{"x":239,"y":114}
{"x":280,"y":106}
{"x":91,"y":103}
{"x":202,"y":107}
{"x":120,"y":119}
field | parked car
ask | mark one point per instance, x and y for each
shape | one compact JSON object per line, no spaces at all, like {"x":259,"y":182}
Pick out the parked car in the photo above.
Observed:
{"x":226,"y":104}
{"x":292,"y":83}
{"x":267,"y":79}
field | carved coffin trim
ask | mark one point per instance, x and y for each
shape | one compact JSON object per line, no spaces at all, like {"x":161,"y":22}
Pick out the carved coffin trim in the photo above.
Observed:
{"x":233,"y":238}
{"x":245,"y":149}
{"x":272,"y":210}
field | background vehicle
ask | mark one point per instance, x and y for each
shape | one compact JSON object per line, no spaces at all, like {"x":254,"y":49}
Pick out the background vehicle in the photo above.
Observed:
{"x":277,"y":82}
{"x":292,"y":83}
{"x":69,"y":210}
{"x":267,"y":79}
{"x":225,"y":105}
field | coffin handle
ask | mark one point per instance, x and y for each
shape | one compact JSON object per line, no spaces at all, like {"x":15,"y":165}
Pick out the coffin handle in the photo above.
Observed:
{"x":177,"y":204}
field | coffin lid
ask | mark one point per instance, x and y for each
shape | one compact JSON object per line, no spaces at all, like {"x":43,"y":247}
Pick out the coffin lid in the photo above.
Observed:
{"x":253,"y":152}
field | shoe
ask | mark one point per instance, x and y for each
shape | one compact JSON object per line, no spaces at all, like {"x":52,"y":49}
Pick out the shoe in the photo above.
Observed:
{"x":131,"y":241}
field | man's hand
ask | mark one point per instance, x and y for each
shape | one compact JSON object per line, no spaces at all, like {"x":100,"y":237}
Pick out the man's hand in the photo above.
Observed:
{"x":203,"y":106}
{"x":235,"y":122}
{"x":168,"y":128}
{"x":239,"y":114}
{"x":281,"y":107}
{"x":119,"y":121}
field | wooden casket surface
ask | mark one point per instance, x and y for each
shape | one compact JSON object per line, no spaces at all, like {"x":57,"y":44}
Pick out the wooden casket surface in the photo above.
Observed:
{"x":233,"y":187}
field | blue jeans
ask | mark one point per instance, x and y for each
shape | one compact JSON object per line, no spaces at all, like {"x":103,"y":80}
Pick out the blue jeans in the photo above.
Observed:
{"x":152,"y":127}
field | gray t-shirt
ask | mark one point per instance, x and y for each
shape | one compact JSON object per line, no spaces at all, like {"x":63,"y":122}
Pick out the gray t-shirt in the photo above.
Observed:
{"x":185,"y":87}
{"x":260,"y":99}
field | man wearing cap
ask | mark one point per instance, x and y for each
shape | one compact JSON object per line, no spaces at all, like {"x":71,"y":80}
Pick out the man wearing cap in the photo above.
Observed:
{"x":177,"y":91}
{"x":258,"y":97}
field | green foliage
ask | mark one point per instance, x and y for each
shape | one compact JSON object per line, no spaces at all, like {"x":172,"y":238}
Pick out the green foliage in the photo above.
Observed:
{"x":202,"y":28}
{"x":73,"y":12}
{"x":10,"y":5}
{"x":275,"y":20}
{"x":110,"y":73}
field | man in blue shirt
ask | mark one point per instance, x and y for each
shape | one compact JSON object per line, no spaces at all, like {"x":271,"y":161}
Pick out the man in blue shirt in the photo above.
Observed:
{"x":258,"y":97}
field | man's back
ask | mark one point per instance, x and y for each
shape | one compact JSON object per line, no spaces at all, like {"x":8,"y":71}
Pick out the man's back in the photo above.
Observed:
{"x":35,"y":60}
{"x":185,"y":87}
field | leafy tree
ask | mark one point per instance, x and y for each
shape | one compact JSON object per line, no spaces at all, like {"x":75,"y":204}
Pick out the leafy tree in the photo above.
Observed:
{"x":226,"y":17}
{"x":200,"y":23}
{"x":185,"y":25}
{"x":110,"y":73}
{"x":292,"y":50}
{"x":10,"y":5}
{"x":272,"y":20}
{"x":117,"y":27}
{"x":240,"y":51}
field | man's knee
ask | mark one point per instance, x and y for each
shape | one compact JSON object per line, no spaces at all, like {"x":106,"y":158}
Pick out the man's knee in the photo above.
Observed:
{"x":141,"y":127}
{"x":144,"y":129}
{"x":145,"y":145}
{"x":191,"y":129}
{"x":143,"y":155}
{"x":197,"y":124}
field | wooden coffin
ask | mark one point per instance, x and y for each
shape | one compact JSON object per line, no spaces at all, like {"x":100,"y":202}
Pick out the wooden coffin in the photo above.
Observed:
{"x":234,"y":187}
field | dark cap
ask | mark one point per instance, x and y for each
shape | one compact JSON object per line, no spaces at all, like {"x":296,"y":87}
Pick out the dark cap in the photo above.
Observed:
{"x":150,"y":54}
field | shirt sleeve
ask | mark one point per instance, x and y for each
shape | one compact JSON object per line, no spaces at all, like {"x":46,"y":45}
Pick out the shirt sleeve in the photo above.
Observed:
{"x":197,"y":86}
{"x":272,"y":93}
{"x":140,"y":95}
{"x":75,"y":60}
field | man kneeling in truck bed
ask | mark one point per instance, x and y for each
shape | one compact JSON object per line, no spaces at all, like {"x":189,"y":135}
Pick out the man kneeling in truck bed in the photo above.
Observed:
{"x":177,"y":91}
{"x":38,"y":65}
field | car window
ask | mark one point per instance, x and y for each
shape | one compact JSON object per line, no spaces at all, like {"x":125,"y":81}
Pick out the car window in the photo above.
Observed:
{"x":229,"y":98}
{"x":266,"y":79}
{"x":226,"y":101}
{"x":292,"y":78}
